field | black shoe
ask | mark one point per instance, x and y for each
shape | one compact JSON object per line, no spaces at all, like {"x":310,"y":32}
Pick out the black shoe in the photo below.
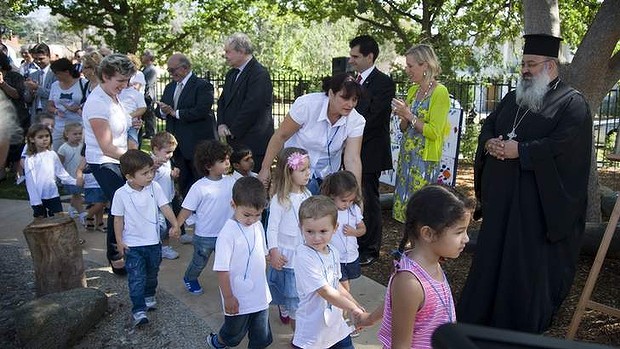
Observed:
{"x":367,"y":260}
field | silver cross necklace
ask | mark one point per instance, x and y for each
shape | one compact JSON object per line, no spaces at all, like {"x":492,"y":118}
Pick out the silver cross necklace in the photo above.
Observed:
{"x":512,"y":135}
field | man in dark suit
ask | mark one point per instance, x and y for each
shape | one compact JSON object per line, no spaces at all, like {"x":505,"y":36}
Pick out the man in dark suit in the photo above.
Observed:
{"x":39,"y":83}
{"x":150,"y":75}
{"x":244,"y":107}
{"x":374,"y":105}
{"x":187,"y":107}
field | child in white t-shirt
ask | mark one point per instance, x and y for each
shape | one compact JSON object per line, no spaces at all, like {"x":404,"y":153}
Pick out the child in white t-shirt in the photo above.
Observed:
{"x":70,"y":156}
{"x":240,"y":265}
{"x":163,"y":145}
{"x":41,"y":168}
{"x":133,"y":102}
{"x":322,"y":298}
{"x":136,"y":207}
{"x":242,"y":163}
{"x":209,"y":198}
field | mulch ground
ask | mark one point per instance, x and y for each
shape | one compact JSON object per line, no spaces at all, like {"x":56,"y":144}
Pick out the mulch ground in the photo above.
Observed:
{"x":595,"y":326}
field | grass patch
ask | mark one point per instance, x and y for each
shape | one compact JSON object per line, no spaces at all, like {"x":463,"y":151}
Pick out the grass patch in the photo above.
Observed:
{"x":12,"y":191}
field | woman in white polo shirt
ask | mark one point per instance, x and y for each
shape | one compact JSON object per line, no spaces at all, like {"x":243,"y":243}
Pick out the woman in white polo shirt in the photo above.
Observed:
{"x":105,"y":136}
{"x":326,"y":125}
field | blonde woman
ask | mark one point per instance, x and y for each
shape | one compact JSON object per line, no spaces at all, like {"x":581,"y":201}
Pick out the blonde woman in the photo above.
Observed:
{"x":424,"y":123}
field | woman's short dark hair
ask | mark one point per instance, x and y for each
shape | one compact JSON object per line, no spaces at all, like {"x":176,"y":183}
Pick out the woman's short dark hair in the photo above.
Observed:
{"x":63,"y":64}
{"x":342,"y":82}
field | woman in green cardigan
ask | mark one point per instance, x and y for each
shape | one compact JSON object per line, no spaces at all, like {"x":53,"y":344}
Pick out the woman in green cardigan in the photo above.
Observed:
{"x":424,"y":124}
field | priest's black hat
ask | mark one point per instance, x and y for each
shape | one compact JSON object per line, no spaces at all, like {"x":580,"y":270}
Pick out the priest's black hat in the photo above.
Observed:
{"x":542,"y":45}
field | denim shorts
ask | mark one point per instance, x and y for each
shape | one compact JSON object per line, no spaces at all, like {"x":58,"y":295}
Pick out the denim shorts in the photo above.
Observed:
{"x":283,"y":289}
{"x":94,"y":195}
{"x":73,"y":189}
{"x":351,"y":270}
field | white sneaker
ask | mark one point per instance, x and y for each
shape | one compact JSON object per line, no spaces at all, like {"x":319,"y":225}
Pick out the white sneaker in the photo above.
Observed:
{"x":82,"y":218}
{"x":168,"y":252}
{"x":139,"y":318}
{"x":186,"y":239}
{"x":72,"y":212}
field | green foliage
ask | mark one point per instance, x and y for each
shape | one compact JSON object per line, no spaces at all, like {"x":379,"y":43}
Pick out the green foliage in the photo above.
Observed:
{"x":469,"y":142}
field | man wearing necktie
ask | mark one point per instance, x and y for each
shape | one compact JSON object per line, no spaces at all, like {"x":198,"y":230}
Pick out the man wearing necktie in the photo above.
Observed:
{"x":186,"y":105}
{"x":39,"y":83}
{"x":374,"y":105}
{"x":244,"y":107}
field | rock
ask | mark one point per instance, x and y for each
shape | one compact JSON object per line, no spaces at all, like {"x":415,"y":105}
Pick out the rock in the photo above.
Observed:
{"x":59,"y":320}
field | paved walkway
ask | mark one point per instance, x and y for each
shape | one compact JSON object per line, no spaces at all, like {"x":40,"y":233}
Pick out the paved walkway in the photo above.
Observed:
{"x":15,"y":215}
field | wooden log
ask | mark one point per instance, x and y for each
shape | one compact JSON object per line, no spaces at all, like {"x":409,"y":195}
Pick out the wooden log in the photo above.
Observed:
{"x":56,"y":254}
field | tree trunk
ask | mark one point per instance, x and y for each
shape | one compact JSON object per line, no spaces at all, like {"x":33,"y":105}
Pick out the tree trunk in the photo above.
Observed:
{"x":56,"y":254}
{"x":594,"y":69}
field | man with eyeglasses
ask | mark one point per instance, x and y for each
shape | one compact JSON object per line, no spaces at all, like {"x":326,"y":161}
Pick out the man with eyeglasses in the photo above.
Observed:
{"x":531,"y":176}
{"x":39,"y":83}
{"x":186,"y":106}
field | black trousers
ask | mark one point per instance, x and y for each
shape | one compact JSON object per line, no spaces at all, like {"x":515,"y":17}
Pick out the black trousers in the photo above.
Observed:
{"x":370,"y":243}
{"x":188,"y":174}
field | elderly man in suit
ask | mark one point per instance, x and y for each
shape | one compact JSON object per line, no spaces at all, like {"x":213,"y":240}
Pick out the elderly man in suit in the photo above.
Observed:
{"x":186,"y":104}
{"x":379,"y":89}
{"x":244,"y":107}
{"x":39,"y":83}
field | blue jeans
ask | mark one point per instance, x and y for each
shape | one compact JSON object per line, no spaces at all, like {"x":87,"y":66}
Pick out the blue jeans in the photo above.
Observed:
{"x":256,"y":325}
{"x":110,"y":179}
{"x":203,"y":247}
{"x":142,"y":265}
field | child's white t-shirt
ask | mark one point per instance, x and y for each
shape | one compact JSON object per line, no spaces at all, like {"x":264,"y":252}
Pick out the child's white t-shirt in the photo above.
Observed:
{"x":90,"y":182}
{"x":210,"y":200}
{"x":140,"y":210}
{"x":347,"y":245}
{"x":41,"y":170}
{"x":164,"y":178}
{"x":236,"y":175}
{"x":248,"y":279}
{"x":283,"y":226}
{"x":313,"y":328}
{"x":72,"y":156}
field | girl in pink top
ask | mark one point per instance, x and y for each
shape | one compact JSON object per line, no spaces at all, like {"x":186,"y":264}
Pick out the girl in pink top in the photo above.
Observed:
{"x":418,"y":297}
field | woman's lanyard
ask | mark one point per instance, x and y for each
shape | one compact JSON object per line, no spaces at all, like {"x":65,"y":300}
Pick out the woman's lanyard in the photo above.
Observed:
{"x":250,"y":250}
{"x":324,"y":268}
{"x":328,"y":143}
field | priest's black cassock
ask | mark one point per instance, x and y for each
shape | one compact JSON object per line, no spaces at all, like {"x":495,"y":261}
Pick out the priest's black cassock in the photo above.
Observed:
{"x":533,"y":212}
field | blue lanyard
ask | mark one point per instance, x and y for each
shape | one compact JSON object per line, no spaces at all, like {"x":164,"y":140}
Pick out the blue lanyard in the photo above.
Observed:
{"x":250,"y":250}
{"x":329,"y":143}
{"x":335,"y":265}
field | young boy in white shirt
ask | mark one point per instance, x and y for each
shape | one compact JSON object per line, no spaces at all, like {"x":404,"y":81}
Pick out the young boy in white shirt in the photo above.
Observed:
{"x":135,"y":208}
{"x":322,"y":297}
{"x":163,"y":145}
{"x":209,"y":198}
{"x":240,"y":265}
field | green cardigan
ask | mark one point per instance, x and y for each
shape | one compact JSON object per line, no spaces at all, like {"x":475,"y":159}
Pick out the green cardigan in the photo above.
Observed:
{"x":436,"y":125}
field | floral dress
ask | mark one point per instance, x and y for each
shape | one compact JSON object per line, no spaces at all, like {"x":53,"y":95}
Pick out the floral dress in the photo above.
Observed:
{"x":412,"y":172}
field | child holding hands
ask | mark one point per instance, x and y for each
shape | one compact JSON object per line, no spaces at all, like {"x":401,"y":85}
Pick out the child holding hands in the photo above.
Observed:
{"x":322,"y":298}
{"x":136,"y":208}
{"x":240,"y":265}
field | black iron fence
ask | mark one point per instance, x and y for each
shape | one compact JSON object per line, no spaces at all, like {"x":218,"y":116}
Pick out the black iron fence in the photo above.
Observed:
{"x":476,"y":98}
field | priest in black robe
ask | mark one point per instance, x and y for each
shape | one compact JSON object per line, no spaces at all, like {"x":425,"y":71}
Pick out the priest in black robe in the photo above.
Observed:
{"x":531,"y":175}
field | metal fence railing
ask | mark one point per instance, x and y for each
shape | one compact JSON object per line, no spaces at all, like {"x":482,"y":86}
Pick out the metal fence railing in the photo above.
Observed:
{"x":477,"y":98}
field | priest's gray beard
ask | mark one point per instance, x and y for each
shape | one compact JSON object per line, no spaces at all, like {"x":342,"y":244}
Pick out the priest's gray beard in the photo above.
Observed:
{"x":531,"y":92}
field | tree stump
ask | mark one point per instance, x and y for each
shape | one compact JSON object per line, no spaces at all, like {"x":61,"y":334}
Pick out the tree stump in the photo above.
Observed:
{"x":56,"y":254}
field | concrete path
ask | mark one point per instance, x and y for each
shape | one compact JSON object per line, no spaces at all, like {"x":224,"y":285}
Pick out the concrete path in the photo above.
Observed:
{"x":15,"y":215}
